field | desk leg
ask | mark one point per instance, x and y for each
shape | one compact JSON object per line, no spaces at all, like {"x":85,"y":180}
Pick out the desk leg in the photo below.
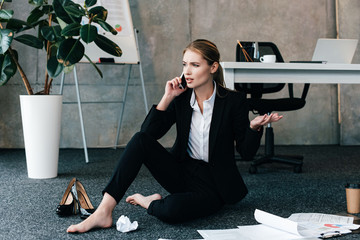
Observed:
{"x":229,"y":78}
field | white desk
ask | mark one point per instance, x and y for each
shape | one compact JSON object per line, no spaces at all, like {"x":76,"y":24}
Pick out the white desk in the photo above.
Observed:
{"x":257,"y":72}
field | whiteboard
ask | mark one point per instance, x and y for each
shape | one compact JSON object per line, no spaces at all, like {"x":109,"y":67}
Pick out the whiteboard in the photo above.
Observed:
{"x":119,"y":17}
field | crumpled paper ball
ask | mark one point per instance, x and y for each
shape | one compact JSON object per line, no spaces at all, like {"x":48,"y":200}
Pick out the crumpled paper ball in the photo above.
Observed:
{"x":123,"y":224}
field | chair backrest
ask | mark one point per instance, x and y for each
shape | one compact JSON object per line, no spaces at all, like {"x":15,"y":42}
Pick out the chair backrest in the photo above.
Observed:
{"x":257,"y":89}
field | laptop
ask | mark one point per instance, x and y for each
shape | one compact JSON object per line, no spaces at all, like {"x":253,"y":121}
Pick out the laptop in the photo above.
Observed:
{"x":335,"y":50}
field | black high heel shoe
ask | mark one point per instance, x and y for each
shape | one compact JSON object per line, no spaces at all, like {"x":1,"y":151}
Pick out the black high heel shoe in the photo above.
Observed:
{"x":68,"y":204}
{"x":83,"y":200}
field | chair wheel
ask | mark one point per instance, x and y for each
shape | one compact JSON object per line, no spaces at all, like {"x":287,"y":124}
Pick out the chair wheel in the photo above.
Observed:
{"x":253,"y":169}
{"x":297,"y":169}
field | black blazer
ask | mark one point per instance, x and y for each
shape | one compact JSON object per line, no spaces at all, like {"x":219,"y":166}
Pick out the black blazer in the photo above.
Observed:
{"x":229,"y":123}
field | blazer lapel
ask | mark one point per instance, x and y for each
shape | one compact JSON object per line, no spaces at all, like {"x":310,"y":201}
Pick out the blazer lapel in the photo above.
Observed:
{"x":185,"y":122}
{"x":187,"y":116}
{"x":216,"y":119}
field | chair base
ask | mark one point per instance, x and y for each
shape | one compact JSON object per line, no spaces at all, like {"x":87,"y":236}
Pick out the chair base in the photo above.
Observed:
{"x":296,"y":161}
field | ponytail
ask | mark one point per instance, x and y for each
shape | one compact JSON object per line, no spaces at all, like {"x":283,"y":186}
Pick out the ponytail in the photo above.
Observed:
{"x":219,"y":77}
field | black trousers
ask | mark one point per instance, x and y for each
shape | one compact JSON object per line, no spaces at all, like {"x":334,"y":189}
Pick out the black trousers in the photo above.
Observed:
{"x":190,"y":184}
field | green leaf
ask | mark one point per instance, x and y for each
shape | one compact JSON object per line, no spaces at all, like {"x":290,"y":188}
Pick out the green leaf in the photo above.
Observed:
{"x":61,"y":23}
{"x":61,"y":12}
{"x":88,"y":33}
{"x":108,"y":46}
{"x":6,"y":14}
{"x":73,"y":29}
{"x":75,"y":10}
{"x":34,"y":16}
{"x":54,"y":67}
{"x":17,"y":25}
{"x":70,"y":51}
{"x":6,"y":37}
{"x":51,"y":33}
{"x":30,"y":40}
{"x":47,"y":9}
{"x":94,"y":65}
{"x":41,"y":24}
{"x":107,"y":27}
{"x":90,"y":3}
{"x":98,"y":12}
{"x":8,"y":68}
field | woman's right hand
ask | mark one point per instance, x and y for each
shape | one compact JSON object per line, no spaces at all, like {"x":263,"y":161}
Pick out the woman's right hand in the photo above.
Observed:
{"x":172,"y":90}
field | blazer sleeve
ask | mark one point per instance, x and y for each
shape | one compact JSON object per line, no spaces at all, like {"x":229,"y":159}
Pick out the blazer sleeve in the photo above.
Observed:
{"x":157,"y":123}
{"x":247,"y":140}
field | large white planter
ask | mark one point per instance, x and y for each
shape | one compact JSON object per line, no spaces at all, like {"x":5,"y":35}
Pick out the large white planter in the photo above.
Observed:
{"x":41,"y":119}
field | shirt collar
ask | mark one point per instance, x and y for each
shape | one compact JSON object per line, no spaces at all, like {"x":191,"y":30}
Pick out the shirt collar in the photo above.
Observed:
{"x":211,"y":100}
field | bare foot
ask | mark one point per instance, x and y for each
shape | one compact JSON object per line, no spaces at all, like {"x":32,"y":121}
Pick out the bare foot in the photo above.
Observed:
{"x":99,"y":219}
{"x":138,"y":199}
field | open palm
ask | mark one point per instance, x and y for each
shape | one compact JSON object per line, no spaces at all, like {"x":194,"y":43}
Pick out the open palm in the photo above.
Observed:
{"x":259,"y":121}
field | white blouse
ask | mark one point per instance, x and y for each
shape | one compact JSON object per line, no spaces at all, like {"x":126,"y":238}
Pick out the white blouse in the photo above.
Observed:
{"x":198,"y":145}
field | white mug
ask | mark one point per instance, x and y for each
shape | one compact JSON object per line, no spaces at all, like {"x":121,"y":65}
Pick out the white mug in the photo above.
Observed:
{"x":268,"y":59}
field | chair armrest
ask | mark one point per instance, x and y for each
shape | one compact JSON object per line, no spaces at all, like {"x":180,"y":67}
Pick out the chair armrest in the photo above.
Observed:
{"x":304,"y":93}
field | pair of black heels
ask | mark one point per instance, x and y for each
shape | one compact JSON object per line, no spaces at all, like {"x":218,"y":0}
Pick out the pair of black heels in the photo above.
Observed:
{"x":74,"y":200}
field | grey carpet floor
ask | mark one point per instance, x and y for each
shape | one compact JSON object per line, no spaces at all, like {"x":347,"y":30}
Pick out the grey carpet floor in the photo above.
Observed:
{"x":27,"y":206}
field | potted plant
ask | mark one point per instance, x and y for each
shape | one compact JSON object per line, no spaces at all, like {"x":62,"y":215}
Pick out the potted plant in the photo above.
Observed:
{"x":62,"y":32}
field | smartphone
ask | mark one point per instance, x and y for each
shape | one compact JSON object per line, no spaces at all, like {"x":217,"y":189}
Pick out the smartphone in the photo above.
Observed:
{"x":183,"y":81}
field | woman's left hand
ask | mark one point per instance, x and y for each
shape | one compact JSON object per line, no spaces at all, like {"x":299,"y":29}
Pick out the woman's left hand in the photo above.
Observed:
{"x":260,"y":121}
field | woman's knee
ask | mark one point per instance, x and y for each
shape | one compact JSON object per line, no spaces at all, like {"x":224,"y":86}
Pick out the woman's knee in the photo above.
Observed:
{"x":138,"y":136}
{"x":140,"y":139}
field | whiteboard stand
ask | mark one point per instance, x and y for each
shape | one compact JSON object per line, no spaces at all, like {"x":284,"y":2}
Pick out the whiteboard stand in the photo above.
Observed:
{"x":123,"y":106}
{"x":80,"y":110}
{"x":141,"y":73}
{"x":126,"y":88}
{"x":121,"y":102}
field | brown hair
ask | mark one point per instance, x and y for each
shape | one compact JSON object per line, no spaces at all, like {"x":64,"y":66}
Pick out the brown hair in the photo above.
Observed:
{"x":210,"y":53}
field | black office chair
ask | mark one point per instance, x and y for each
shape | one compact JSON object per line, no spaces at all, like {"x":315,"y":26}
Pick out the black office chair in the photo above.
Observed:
{"x":259,"y":105}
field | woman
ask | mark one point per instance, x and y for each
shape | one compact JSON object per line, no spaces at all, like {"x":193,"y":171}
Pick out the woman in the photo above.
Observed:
{"x":200,"y":171}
